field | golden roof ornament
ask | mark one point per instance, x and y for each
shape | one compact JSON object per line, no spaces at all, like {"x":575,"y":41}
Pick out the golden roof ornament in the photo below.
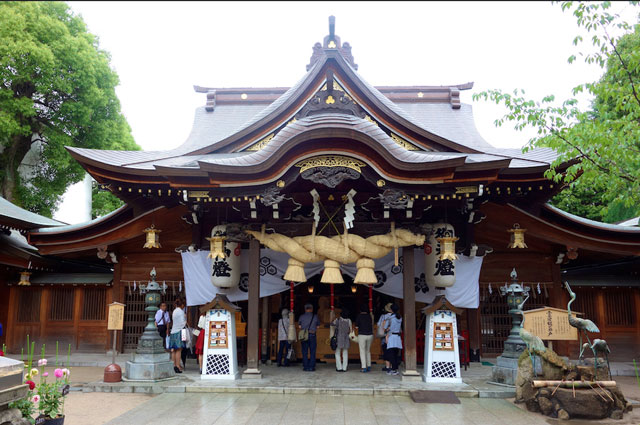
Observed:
{"x":517,"y":237}
{"x":153,"y":237}
{"x":24,"y":279}
{"x":448,"y":248}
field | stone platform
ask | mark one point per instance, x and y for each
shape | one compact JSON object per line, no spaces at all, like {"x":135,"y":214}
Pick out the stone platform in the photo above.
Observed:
{"x":325,"y":380}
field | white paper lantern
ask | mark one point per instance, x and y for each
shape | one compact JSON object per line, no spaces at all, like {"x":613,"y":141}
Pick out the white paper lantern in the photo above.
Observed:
{"x":225,"y":270}
{"x":439,"y":273}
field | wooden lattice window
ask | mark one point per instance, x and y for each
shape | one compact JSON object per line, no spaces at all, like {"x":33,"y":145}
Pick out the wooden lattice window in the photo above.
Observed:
{"x":619,"y":307}
{"x":61,"y":307}
{"x":94,"y":304}
{"x":495,"y":321}
{"x":29,"y":305}
{"x":135,"y":318}
{"x":586,"y":303}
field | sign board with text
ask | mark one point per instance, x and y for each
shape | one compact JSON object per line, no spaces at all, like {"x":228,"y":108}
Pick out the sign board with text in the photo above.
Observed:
{"x":115,"y":320}
{"x":550,"y":323}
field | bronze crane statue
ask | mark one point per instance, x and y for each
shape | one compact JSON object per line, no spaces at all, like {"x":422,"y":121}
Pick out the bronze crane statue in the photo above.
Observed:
{"x":599,"y":346}
{"x":533,"y":342}
{"x":582,"y":325}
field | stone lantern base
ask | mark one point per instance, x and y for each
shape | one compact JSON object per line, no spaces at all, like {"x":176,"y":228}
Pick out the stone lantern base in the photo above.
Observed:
{"x":149,"y":367}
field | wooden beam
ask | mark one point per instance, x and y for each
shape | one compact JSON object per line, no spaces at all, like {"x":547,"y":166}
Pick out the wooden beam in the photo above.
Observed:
{"x":253,"y":370}
{"x":409,"y":296}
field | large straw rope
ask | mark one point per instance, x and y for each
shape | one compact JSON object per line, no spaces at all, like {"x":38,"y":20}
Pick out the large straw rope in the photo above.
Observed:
{"x":300,"y":247}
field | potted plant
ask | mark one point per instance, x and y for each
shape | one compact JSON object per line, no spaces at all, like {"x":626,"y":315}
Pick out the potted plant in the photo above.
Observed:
{"x":47,"y":396}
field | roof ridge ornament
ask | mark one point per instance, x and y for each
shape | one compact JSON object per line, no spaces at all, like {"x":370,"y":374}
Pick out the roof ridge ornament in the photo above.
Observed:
{"x":332,"y":42}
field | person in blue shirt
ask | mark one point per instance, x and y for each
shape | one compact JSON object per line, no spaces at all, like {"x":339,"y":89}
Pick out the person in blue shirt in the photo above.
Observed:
{"x":162,"y":320}
{"x":309,"y":321}
{"x":394,"y":342}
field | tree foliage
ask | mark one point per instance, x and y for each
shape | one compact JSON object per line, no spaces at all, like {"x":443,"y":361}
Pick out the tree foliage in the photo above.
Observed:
{"x":56,"y":89}
{"x":600,"y":144}
{"x":103,"y":201}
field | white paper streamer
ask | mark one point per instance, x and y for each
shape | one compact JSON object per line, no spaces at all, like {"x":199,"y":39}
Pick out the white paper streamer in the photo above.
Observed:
{"x":316,"y":206}
{"x":349,"y":209}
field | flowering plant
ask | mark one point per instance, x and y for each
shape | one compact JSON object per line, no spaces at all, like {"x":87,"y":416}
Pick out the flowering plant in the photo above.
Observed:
{"x":47,"y":395}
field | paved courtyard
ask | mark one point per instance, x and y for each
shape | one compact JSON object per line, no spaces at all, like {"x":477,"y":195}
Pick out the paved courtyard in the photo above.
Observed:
{"x":266,"y":409}
{"x":298,"y":409}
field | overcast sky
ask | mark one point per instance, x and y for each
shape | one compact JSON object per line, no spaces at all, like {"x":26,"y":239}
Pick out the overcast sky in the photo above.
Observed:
{"x":161,"y":49}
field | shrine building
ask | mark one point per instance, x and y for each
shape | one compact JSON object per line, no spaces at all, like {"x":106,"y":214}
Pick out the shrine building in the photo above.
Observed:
{"x":333,"y":179}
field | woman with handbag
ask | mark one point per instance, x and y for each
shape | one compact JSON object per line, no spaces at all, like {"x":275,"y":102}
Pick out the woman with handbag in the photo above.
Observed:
{"x":343,"y":328}
{"x":176,"y":343}
{"x":381,"y":333}
{"x":282,"y":357}
{"x":394,"y":342}
{"x":202,"y":322}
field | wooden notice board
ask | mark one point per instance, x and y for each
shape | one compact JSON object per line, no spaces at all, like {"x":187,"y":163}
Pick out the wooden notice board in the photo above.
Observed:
{"x":218,"y":334}
{"x":443,"y":336}
{"x":115,"y":321}
{"x":550,"y":323}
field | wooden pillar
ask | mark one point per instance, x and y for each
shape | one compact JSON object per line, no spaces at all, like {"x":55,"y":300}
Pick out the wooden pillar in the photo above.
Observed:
{"x":265,"y":329}
{"x":253,"y":370}
{"x":409,"y":297}
{"x":475,"y":333}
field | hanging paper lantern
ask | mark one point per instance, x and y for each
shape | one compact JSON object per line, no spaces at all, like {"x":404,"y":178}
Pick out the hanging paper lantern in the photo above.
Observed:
{"x":225,"y":264}
{"x":439,"y":262}
{"x":310,"y":289}
{"x":517,"y":237}
{"x":24,"y":279}
{"x":153,"y":237}
{"x":354,"y":289}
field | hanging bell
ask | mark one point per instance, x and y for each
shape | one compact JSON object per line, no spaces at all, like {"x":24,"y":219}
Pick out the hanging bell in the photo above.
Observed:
{"x":153,"y":237}
{"x":448,"y":248}
{"x":517,"y":237}
{"x":24,"y":279}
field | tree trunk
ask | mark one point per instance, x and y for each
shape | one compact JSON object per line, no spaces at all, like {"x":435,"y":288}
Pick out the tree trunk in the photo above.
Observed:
{"x":10,"y":160}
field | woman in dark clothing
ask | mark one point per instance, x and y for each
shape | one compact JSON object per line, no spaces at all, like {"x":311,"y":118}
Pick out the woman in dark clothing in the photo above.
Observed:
{"x":364,"y":325}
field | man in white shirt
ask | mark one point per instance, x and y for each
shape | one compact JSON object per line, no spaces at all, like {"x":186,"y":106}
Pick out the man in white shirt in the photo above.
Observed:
{"x":162,"y":320}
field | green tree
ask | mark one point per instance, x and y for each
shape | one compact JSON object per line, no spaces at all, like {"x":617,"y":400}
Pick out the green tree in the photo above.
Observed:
{"x":598,"y":148}
{"x":56,"y":89}
{"x":103,"y":201}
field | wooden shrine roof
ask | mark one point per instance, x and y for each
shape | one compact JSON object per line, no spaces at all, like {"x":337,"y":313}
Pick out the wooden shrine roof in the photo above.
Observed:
{"x":238,"y":128}
{"x":14,"y":217}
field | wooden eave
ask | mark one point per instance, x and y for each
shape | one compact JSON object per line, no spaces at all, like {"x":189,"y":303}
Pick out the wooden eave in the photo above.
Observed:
{"x":222,"y":301}
{"x":115,"y":229}
{"x":500,"y":218}
{"x":440,"y":303}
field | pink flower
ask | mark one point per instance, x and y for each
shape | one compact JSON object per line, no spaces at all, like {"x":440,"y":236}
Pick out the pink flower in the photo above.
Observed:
{"x":45,"y":374}
{"x":58,"y":373}
{"x":31,"y":384}
{"x":42,"y":362}
{"x":35,"y":398}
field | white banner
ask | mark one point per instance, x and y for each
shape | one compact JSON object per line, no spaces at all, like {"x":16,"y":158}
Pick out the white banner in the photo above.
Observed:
{"x":199,"y":290}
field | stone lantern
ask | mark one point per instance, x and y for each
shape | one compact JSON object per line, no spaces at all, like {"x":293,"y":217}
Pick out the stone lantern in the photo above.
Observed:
{"x":150,"y":362}
{"x":506,"y":369}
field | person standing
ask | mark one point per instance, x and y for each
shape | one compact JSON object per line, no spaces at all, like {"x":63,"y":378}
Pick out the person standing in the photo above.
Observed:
{"x":202,"y":323}
{"x":343,"y":328}
{"x":394,"y":342}
{"x":176,"y":344}
{"x":382,"y":334}
{"x":283,"y":339}
{"x":309,"y":322}
{"x":162,"y":320}
{"x":364,"y":325}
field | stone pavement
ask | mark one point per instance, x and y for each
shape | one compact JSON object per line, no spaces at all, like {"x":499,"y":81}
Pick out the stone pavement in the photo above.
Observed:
{"x":301,"y":409}
{"x":292,"y":380}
